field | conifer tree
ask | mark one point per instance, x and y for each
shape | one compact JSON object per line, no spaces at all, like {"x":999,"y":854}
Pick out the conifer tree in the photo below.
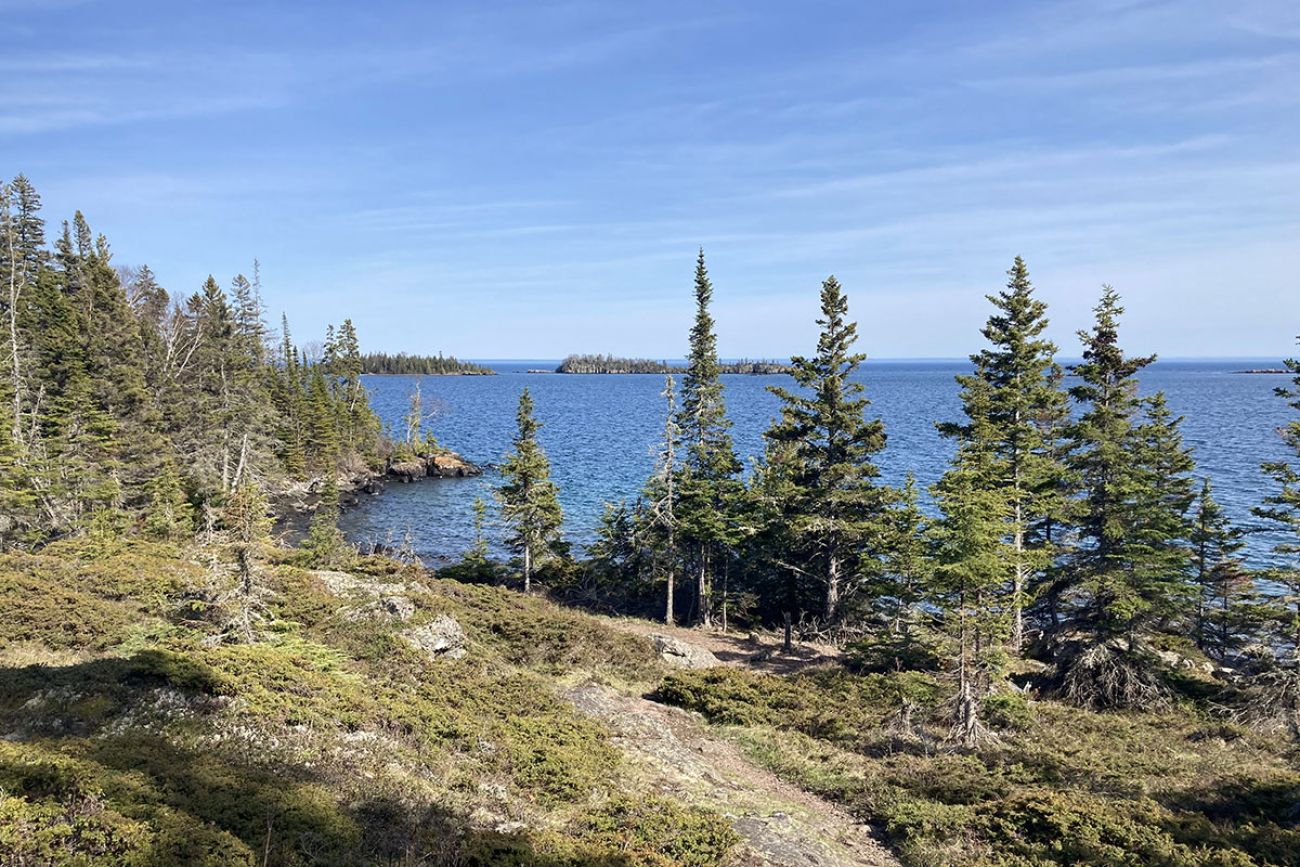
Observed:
{"x":1024,"y":406}
{"x":709,"y":483}
{"x":835,"y":508}
{"x":530,"y":504}
{"x":170,"y":515}
{"x":661,"y":498}
{"x":1221,"y":579}
{"x":1130,"y":570}
{"x":1282,"y":510}
{"x":325,"y":546}
{"x":901,"y":639}
{"x":971,"y":558}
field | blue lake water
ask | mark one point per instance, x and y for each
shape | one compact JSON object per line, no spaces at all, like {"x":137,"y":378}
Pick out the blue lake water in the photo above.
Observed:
{"x":600,"y":432}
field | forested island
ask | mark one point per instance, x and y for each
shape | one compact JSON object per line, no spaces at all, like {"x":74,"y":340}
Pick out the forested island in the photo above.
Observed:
{"x":1065,"y":661}
{"x":613,"y":364}
{"x":422,"y":365}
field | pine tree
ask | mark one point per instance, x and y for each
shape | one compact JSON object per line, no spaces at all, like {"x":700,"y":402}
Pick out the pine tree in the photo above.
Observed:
{"x":971,"y":557}
{"x":709,"y":482}
{"x":1129,"y":572}
{"x":1282,"y":510}
{"x":835,"y":509}
{"x":901,"y":639}
{"x":1024,"y":405}
{"x":661,"y":500}
{"x":325,"y":546}
{"x":530,"y":504}
{"x":170,"y":515}
{"x":1221,"y":579}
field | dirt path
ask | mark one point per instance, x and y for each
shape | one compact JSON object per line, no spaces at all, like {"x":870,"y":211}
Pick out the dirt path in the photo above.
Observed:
{"x":674,"y":753}
{"x":757,"y":652}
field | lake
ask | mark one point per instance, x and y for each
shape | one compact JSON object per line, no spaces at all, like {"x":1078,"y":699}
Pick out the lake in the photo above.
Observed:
{"x":600,"y":432}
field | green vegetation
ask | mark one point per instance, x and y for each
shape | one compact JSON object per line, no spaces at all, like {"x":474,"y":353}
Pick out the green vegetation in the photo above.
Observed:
{"x":421,"y":365}
{"x":529,"y":503}
{"x":612,"y":364}
{"x":1065,"y":662}
{"x":138,"y":731}
{"x":1060,"y":786}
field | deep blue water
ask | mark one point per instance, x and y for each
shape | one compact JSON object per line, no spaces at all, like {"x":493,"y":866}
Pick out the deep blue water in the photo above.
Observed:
{"x":600,"y":431}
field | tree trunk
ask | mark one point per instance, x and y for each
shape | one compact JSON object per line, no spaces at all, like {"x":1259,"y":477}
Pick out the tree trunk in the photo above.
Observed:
{"x":832,"y":607}
{"x":788,"y":644}
{"x":528,"y":569}
{"x":668,"y":608}
{"x":1018,"y":585}
{"x":703,"y":594}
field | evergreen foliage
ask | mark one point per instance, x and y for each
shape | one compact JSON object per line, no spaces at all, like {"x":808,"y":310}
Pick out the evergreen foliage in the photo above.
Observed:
{"x":420,"y":365}
{"x":833,"y":509}
{"x":709,"y":483}
{"x":120,"y":400}
{"x":530,"y":504}
{"x":1015,"y":386}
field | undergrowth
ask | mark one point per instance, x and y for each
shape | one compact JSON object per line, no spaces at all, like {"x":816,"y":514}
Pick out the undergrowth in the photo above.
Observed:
{"x":1060,"y":786}
{"x":135,"y":729}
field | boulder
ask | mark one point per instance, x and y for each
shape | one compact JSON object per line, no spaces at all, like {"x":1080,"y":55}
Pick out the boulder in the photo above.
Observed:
{"x":450,"y":466}
{"x":408,"y":471}
{"x":681,"y":654}
{"x":440,"y":638}
{"x":397,"y":607}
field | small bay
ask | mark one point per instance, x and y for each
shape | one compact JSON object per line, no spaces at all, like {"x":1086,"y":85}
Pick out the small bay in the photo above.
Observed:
{"x":600,"y":431}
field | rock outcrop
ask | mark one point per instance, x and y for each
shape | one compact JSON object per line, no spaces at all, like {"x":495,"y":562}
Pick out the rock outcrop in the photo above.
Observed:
{"x":443,"y":465}
{"x":680,"y":654}
{"x":440,"y":638}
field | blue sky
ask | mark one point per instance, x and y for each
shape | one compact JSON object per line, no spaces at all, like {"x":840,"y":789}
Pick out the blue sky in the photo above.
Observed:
{"x":516,"y":180}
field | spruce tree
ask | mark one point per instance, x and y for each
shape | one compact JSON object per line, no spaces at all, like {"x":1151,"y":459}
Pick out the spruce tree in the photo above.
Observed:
{"x":1281,"y":509}
{"x":1129,"y":573}
{"x":709,"y":482}
{"x":971,"y":557}
{"x":1024,"y":407}
{"x":835,"y":509}
{"x":1222,"y":581}
{"x":530,"y":503}
{"x":325,"y":546}
{"x":661,"y":500}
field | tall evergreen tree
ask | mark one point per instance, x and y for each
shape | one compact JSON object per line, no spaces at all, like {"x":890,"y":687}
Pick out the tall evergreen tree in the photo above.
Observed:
{"x":661,"y":500}
{"x":1221,"y":579}
{"x":1282,"y":510}
{"x":1130,"y":571}
{"x":709,"y":481}
{"x":530,"y":504}
{"x":1024,"y":405}
{"x":835,"y":509}
{"x":971,"y":558}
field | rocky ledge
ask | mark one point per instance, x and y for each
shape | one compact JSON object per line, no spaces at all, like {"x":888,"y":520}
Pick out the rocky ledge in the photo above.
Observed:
{"x":443,"y":465}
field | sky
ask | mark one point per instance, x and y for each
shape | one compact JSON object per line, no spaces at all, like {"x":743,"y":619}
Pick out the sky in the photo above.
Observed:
{"x":530,"y":179}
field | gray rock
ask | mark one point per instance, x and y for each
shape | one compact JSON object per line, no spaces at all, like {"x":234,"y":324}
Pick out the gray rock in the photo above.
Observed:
{"x":440,"y":638}
{"x":408,"y":471}
{"x":680,"y":654}
{"x":397,"y":607}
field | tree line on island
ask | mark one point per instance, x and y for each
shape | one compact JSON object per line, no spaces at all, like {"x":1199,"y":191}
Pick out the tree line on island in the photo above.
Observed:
{"x":614,"y":364}
{"x":1071,"y":536}
{"x":420,"y":365}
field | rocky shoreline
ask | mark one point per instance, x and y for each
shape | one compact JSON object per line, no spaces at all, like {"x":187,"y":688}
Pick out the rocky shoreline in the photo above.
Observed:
{"x":295,"y":505}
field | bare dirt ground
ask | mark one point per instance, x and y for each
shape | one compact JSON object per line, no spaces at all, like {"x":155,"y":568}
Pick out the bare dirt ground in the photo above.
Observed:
{"x":757,"y":652}
{"x":675,"y":754}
